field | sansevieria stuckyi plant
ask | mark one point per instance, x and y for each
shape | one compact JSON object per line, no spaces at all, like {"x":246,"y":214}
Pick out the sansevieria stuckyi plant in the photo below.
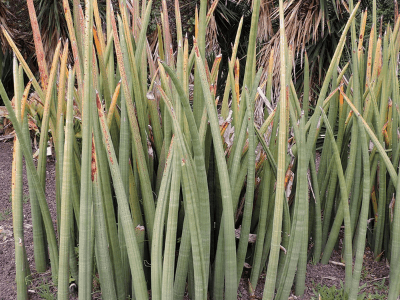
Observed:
{"x":159,"y":193}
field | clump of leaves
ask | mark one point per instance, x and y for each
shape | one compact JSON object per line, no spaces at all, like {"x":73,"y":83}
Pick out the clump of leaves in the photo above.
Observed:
{"x":4,"y":215}
{"x":323,"y":292}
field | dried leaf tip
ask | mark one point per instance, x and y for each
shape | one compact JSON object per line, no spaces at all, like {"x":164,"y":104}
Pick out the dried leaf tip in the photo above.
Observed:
{"x":150,"y":96}
{"x":140,"y":227}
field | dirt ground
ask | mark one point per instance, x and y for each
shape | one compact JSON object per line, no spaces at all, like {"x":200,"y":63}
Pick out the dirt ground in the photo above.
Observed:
{"x":374,"y":280}
{"x":37,"y":290}
{"x":374,"y":277}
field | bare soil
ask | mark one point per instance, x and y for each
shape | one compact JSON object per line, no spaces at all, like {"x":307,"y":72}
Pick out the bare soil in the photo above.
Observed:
{"x":332,"y":274}
{"x":39,"y":282}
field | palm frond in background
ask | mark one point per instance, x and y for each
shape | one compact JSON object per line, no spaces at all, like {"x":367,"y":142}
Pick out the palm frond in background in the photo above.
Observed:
{"x":52,"y":24}
{"x":312,"y":26}
{"x":304,"y":27}
{"x":14,"y":18}
{"x":227,"y":17}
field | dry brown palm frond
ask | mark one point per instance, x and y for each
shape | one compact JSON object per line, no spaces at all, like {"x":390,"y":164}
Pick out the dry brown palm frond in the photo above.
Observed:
{"x":265,"y":29}
{"x":15,"y":19}
{"x":302,"y":21}
{"x":212,"y":45}
{"x":5,"y":16}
